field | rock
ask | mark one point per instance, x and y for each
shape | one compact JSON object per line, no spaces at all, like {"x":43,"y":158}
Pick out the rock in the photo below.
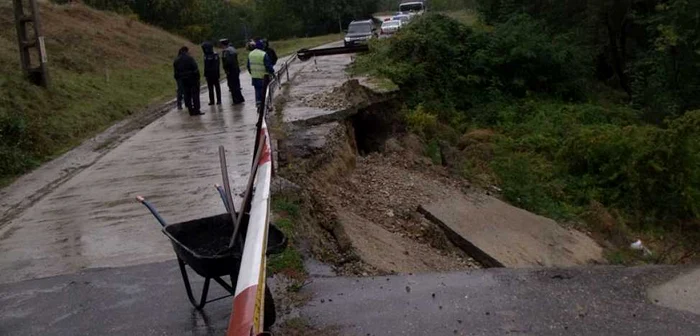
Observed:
{"x":412,"y":143}
{"x":392,"y":146}
{"x":281,"y":185}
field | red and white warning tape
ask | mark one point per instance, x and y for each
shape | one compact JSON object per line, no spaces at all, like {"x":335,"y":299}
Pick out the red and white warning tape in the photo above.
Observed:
{"x":248,"y":302}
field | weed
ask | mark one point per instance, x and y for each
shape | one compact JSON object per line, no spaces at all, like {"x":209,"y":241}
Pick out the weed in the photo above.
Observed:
{"x":290,"y":262}
{"x":286,"y":205}
{"x":432,"y":151}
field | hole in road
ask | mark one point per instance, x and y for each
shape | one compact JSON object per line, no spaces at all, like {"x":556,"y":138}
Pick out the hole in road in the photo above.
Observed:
{"x":373,"y":126}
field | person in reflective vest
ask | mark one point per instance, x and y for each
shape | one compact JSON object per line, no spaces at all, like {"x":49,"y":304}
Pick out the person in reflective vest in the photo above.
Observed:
{"x":260,"y":68}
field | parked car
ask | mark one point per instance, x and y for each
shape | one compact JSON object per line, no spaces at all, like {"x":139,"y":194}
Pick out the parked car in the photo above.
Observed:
{"x":389,"y":28}
{"x":359,"y":32}
{"x":403,"y":18}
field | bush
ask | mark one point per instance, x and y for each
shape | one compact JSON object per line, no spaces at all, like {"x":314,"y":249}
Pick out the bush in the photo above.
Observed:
{"x":521,"y":57}
{"x":639,"y":168}
{"x":441,"y":62}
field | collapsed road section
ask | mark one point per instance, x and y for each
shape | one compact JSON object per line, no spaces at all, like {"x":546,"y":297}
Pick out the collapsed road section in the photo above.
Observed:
{"x":381,"y":206}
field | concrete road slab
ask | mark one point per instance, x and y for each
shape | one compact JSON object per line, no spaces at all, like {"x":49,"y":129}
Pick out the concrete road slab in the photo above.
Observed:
{"x":311,"y":77}
{"x":498,"y":234}
{"x":596,"y":301}
{"x":92,"y":220}
{"x":682,"y":292}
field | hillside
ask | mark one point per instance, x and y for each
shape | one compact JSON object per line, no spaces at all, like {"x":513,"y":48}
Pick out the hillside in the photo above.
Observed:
{"x":103,"y":67}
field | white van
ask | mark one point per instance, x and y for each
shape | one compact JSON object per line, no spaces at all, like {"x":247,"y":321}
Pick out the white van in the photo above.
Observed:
{"x":417,"y":7}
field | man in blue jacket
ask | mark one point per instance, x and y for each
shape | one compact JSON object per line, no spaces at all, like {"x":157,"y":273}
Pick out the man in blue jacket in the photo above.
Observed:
{"x":260,"y":68}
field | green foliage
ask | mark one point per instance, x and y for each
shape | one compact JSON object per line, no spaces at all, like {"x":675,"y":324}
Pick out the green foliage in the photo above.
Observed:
{"x":666,"y":77}
{"x":286,"y":209}
{"x":446,"y":65}
{"x":640,"y":167}
{"x":649,"y":48}
{"x":432,"y":151}
{"x":79,"y":106}
{"x":530,"y":181}
{"x":561,"y":147}
{"x":421,"y":122}
{"x":238,"y":21}
{"x":287,"y":206}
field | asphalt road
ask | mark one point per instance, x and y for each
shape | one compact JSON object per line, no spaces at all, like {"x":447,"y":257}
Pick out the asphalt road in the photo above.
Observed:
{"x":150,"y":299}
{"x":592,"y":301}
{"x":138,"y":300}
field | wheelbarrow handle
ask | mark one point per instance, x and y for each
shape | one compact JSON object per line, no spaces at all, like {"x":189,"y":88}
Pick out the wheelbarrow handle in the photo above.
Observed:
{"x":222,"y":193}
{"x":152,"y":209}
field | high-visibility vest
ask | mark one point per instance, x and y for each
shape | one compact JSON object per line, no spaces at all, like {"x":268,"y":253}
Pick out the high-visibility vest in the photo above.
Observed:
{"x":257,"y":64}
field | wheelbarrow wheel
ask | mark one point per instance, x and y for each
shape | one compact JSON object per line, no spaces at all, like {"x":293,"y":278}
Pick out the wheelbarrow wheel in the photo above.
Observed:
{"x":270,"y":313}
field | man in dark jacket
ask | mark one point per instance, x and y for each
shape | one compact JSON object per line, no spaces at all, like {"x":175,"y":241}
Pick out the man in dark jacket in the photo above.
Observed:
{"x":186,"y":69}
{"x":270,"y":52}
{"x":229,"y":57}
{"x":211,"y":72}
{"x":180,"y":87}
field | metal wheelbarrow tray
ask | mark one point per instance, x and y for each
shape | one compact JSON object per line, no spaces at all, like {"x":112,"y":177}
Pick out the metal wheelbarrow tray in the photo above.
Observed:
{"x":203,"y":244}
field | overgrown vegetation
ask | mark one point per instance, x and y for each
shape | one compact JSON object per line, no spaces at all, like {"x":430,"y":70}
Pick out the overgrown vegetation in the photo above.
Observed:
{"x":239,"y":20}
{"x":564,"y":105}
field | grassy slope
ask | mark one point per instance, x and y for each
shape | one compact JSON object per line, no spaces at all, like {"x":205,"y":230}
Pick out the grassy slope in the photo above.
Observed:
{"x":103,"y":66}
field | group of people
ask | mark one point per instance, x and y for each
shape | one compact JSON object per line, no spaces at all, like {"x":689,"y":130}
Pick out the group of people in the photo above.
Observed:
{"x":261,"y":61}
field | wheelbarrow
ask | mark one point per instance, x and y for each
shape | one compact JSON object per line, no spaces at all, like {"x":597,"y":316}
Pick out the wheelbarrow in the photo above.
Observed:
{"x":203,"y":245}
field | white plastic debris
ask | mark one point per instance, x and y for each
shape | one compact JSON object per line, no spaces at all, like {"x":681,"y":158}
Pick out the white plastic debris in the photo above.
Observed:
{"x":639,"y":246}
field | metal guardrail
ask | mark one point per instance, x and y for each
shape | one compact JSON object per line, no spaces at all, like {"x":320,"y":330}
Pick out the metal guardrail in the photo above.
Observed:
{"x":305,"y":54}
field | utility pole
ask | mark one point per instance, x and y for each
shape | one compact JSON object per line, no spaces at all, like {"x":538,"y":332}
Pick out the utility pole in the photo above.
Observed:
{"x":29,"y":36}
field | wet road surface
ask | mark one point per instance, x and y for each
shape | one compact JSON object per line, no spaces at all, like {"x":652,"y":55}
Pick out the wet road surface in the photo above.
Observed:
{"x":150,"y":300}
{"x":603,"y":300}
{"x":138,"y":300}
{"x":92,"y":220}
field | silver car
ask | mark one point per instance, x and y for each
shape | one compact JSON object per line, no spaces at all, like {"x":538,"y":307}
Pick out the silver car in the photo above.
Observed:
{"x":389,"y":28}
{"x":403,"y":18}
